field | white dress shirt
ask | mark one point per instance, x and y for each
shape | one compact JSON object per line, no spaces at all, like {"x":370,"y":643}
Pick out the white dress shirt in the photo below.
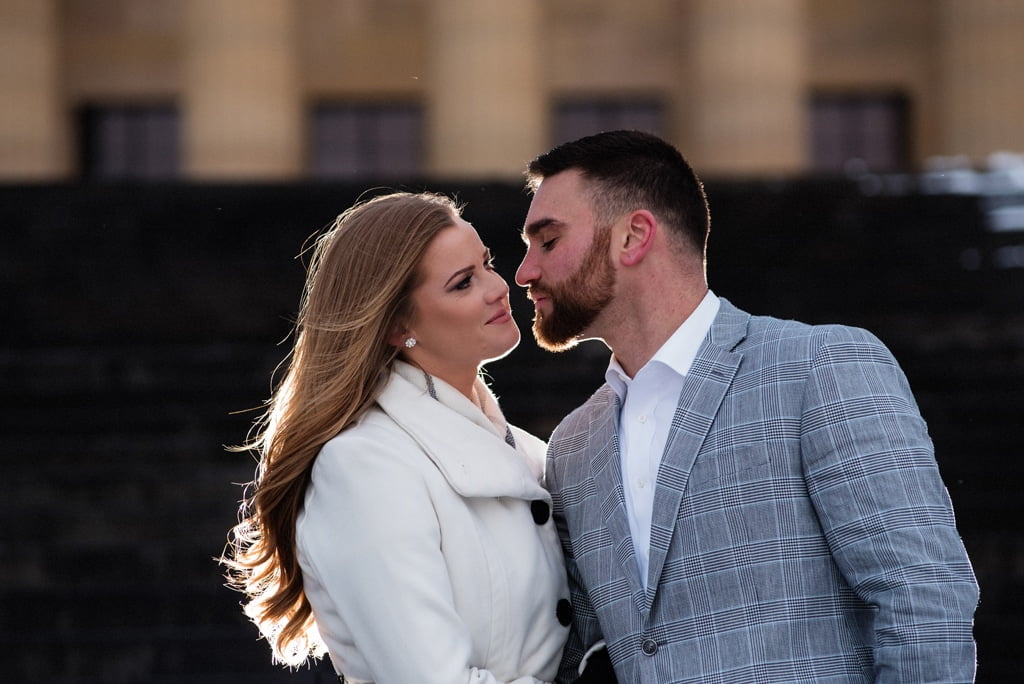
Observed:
{"x":649,"y":402}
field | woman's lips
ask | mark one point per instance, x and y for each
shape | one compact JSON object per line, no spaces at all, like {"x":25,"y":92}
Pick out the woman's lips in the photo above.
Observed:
{"x":501,"y":317}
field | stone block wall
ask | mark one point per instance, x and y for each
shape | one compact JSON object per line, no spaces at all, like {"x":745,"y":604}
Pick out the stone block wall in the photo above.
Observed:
{"x":140,"y":323}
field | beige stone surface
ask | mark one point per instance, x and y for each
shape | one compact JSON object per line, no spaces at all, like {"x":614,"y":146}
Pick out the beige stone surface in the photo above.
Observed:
{"x":734,"y":76}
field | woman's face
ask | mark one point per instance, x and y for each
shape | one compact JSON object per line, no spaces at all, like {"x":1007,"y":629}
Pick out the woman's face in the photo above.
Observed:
{"x":461,"y":316}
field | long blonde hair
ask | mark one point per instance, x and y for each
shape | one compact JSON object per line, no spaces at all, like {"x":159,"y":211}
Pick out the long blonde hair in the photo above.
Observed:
{"x":357,"y":293}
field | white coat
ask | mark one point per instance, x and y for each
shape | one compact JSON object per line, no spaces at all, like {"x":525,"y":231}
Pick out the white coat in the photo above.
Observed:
{"x":426,"y":545}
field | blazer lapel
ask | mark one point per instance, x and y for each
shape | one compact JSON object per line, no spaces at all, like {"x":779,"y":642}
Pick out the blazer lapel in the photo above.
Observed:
{"x":704,"y":388}
{"x":606,"y":469}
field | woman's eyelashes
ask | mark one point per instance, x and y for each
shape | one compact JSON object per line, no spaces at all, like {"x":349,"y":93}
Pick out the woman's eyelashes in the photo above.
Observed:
{"x":467,"y":281}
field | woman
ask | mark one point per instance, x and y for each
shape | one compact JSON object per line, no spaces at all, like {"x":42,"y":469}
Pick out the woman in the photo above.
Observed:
{"x":396,"y":519}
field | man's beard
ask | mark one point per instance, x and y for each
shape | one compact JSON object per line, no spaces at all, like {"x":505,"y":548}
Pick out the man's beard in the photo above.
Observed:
{"x":576,"y":301}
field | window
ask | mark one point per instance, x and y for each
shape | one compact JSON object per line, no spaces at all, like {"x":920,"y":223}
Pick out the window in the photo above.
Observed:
{"x":872,"y":128}
{"x":366,"y":141}
{"x":129,"y":142}
{"x":575,"y":119}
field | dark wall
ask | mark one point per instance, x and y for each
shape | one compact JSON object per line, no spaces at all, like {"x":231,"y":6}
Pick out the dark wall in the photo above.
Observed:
{"x":139,"y":324}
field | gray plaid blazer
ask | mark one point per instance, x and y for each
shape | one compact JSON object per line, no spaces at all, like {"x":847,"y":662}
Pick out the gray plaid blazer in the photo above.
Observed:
{"x":801,"y":530}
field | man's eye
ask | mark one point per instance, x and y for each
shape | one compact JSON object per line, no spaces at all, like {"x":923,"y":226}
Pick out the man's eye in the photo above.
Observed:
{"x":547,"y":245}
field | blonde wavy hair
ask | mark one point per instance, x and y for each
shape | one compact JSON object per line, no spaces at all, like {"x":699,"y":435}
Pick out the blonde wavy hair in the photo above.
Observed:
{"x":357,"y":293}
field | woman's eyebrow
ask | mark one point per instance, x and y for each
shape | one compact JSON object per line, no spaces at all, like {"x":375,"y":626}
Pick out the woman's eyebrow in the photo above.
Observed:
{"x":459,"y":273}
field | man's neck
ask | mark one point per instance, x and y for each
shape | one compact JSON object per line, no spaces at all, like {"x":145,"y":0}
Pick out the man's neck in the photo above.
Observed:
{"x":639,"y":333}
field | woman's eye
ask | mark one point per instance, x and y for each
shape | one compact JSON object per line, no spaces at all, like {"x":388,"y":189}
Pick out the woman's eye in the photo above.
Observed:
{"x":464,"y":283}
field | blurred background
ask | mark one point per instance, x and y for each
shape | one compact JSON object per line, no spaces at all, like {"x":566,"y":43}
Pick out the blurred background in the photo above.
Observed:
{"x":162,"y":163}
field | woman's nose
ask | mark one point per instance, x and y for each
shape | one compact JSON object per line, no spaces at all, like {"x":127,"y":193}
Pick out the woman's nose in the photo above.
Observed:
{"x":499,"y":288}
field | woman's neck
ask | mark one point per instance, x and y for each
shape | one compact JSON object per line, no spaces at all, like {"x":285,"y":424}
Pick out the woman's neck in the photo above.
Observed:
{"x":463,"y":381}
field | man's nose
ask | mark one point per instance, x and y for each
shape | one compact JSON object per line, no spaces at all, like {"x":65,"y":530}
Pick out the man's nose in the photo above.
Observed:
{"x":527,"y":272}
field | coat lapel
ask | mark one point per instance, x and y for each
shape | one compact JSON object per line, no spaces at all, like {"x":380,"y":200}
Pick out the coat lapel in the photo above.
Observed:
{"x":606,"y":469}
{"x":472,"y":457}
{"x":704,"y":388}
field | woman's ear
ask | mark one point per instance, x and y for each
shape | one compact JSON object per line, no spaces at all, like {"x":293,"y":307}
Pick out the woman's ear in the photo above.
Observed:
{"x":638,"y":237}
{"x":398,"y":336}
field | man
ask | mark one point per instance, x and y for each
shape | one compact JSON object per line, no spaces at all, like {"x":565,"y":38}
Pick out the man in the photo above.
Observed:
{"x":746,"y":499}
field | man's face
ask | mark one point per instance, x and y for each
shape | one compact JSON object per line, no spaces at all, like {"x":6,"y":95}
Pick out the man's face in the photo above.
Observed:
{"x":567,"y":269}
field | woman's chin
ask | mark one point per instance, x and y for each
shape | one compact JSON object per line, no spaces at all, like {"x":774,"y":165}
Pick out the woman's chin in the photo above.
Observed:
{"x":502,"y":354}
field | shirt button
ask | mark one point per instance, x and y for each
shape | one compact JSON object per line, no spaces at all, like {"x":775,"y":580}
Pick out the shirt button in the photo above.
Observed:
{"x":649,"y":647}
{"x":642,"y":418}
{"x":641,"y":484}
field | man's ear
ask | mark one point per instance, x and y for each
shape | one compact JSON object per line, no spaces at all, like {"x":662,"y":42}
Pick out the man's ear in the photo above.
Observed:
{"x":638,"y":237}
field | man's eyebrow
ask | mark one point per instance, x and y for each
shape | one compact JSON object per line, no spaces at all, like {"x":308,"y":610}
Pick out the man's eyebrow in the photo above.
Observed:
{"x":535,"y":227}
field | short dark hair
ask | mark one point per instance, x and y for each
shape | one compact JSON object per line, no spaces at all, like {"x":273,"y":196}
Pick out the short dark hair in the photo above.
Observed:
{"x":633,"y":170}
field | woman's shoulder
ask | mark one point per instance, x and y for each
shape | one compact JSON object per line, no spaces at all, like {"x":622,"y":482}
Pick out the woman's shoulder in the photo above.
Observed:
{"x":369,"y":465}
{"x":374,"y":424}
{"x":375,"y":441}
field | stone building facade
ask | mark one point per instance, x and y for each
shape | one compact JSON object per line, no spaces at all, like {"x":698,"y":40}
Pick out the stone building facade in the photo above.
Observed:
{"x":468,"y":89}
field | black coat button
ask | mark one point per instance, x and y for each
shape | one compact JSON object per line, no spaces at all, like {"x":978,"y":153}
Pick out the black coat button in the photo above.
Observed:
{"x":649,"y":647}
{"x":563,"y":611}
{"x":541,"y":511}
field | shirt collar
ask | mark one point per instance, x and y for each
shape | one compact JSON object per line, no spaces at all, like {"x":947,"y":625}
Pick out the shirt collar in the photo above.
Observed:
{"x":679,"y":350}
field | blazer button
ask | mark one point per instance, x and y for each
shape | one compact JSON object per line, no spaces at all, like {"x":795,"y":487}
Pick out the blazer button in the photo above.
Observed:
{"x":563,"y":611}
{"x":649,"y":647}
{"x":540,"y":510}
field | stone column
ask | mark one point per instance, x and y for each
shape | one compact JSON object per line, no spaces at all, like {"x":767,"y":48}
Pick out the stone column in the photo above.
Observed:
{"x":33,"y":127}
{"x":242,"y":104}
{"x":487,"y":106}
{"x":741,"y":101}
{"x":981,"y":66}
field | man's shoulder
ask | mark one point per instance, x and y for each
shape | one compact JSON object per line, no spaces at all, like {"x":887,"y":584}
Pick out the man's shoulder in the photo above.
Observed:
{"x":801,"y":337}
{"x":770,"y":342}
{"x":579,"y":419}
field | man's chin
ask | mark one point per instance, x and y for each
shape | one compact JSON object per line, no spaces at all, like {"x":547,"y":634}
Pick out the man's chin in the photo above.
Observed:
{"x":552,"y":343}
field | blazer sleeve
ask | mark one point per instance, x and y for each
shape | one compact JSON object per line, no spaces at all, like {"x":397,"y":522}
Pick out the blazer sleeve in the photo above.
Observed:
{"x":584,"y":631}
{"x":370,"y":536}
{"x":886,"y":514}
